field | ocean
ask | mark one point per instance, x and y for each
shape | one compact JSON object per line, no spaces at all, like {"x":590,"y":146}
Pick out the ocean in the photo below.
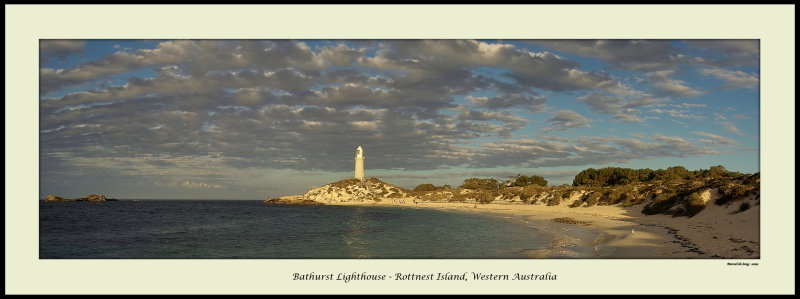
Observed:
{"x":247,"y":229}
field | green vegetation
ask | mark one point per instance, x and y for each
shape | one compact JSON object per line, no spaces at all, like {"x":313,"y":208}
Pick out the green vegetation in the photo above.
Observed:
{"x":592,"y":198}
{"x":611,"y":176}
{"x":577,"y":203}
{"x":744,"y":206}
{"x":661,"y":204}
{"x":480,"y":184}
{"x":731,"y":192}
{"x":617,"y":195}
{"x":694,"y":204}
{"x":674,"y":191}
{"x":522,"y":181}
{"x":615,"y":176}
{"x":485,"y":197}
{"x":425,"y":187}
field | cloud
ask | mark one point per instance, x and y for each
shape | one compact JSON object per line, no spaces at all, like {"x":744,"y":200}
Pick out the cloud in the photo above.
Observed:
{"x":197,"y":59}
{"x":660,"y":59}
{"x":635,"y":55}
{"x":630,"y":118}
{"x":456,"y":59}
{"x":585,"y":151}
{"x":667,"y":86}
{"x":532,"y":103}
{"x":200,"y":185}
{"x":716,"y":139}
{"x":568,"y":119}
{"x":726,"y":53}
{"x":732,"y":79}
{"x":621,"y":109}
{"x":677,"y":113}
{"x":61,"y":48}
{"x":730,"y":127}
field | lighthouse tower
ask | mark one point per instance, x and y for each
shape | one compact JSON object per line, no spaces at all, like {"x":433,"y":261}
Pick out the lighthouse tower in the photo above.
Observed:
{"x":360,"y":163}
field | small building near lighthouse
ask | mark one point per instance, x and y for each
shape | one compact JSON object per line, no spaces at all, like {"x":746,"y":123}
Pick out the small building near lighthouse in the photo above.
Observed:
{"x":360,"y":163}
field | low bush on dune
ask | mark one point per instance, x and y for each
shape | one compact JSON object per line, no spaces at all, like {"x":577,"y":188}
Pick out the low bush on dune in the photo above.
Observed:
{"x":694,"y":204}
{"x":593,"y":198}
{"x":732,"y":192}
{"x":485,"y":197}
{"x":661,"y":203}
{"x":425,"y":187}
{"x":744,"y":207}
{"x":480,"y":184}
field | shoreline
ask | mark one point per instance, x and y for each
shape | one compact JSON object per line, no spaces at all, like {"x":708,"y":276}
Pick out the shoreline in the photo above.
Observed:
{"x":613,"y":232}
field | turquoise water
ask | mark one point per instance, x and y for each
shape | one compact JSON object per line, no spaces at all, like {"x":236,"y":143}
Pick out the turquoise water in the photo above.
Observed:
{"x":208,"y":229}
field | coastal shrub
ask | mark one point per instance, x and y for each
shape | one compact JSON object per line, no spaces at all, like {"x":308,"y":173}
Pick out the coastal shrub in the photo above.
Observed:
{"x":554,"y":200}
{"x":732,"y":192}
{"x":593,"y":198}
{"x":485,"y":197}
{"x":346,"y":182}
{"x":425,"y":187}
{"x":674,"y":173}
{"x":528,"y":193}
{"x":480,"y":184}
{"x":753,"y":180}
{"x":576,"y":203}
{"x":611,"y":176}
{"x":510,"y":193}
{"x":394,"y":195}
{"x":632,"y":199}
{"x":661,"y":204}
{"x":618,"y":194}
{"x":715,"y":171}
{"x":744,"y":207}
{"x":522,"y":181}
{"x":525,"y":195}
{"x":458,"y":197}
{"x":717,"y":183}
{"x":614,"y":176}
{"x":383,"y":193}
{"x":694,"y":204}
{"x":718,"y":171}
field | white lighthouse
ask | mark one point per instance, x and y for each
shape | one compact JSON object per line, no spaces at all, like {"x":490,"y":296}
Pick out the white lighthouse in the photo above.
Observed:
{"x":360,"y":163}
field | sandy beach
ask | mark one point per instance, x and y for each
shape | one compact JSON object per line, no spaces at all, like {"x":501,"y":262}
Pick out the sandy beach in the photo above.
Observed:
{"x":620,"y":232}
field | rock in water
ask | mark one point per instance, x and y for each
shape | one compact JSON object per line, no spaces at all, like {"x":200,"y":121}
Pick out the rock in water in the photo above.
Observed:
{"x":95,"y":197}
{"x":90,"y":197}
{"x":53,"y":198}
{"x":291,"y":200}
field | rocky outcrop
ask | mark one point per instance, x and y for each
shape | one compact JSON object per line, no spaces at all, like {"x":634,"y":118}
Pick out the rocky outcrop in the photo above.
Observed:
{"x":344,"y":191}
{"x":90,"y":197}
{"x":291,"y":200}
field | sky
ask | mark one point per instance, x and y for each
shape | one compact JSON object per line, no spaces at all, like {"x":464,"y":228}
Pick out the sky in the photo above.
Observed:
{"x":257,"y":119}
